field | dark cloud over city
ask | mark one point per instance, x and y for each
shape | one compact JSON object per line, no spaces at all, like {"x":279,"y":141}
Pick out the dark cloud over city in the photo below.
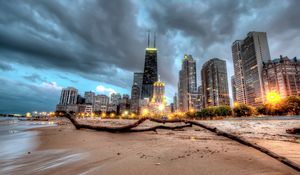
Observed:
{"x":104,"y":41}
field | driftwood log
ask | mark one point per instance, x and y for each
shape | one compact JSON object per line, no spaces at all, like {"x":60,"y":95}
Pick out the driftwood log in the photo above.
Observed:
{"x":293,"y":131}
{"x":188,"y":123}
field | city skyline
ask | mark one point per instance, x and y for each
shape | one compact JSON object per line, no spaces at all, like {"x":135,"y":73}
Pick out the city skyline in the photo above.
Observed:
{"x":33,"y":73}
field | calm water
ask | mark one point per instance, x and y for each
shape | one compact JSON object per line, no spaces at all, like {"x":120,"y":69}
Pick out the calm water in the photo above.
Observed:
{"x":15,"y":139}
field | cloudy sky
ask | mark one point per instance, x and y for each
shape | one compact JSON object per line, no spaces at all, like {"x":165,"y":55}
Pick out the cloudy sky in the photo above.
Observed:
{"x":96,"y":45}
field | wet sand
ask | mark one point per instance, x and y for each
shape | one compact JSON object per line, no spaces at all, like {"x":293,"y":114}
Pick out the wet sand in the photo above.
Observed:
{"x":65,"y":150}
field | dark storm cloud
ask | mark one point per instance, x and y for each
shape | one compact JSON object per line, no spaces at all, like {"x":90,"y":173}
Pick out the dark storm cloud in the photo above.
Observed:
{"x":22,"y":97}
{"x":5,"y":67}
{"x":34,"y":78}
{"x":104,"y":41}
{"x":92,"y":39}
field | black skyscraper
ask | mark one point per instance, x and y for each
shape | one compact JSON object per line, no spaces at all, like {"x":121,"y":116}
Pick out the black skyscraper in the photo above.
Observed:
{"x":150,"y":71}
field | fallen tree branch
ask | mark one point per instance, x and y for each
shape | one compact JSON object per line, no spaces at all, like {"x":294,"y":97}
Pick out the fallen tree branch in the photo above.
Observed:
{"x":293,"y":131}
{"x":154,"y":128}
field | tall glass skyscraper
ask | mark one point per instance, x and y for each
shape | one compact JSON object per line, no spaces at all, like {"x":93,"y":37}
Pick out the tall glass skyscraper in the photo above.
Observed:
{"x":150,"y":71}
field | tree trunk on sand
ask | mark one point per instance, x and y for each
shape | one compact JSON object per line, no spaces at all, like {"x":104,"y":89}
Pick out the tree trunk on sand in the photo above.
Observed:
{"x":293,"y":131}
{"x":188,"y":123}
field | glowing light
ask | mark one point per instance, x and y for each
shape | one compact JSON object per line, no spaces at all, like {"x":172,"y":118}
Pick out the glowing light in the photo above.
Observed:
{"x":145,"y":111}
{"x":103,"y":114}
{"x":152,"y":49}
{"x":273,"y":97}
{"x":192,"y":110}
{"x":125,"y":112}
{"x":112,"y":115}
{"x":161,"y":107}
{"x":236,"y":104}
{"x":28,"y":114}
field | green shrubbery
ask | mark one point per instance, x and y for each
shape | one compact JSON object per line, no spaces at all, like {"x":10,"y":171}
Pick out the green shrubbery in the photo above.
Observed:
{"x":214,"y":111}
{"x":243,"y":110}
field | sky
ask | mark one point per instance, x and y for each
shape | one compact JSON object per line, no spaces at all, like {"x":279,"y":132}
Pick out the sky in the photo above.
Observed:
{"x":96,"y":45}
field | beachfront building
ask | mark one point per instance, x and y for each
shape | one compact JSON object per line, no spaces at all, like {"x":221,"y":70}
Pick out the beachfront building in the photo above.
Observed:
{"x":282,"y":75}
{"x":135,"y":99}
{"x":68,"y":100}
{"x":248,"y":58}
{"x":101,"y":103}
{"x":215,"y":83}
{"x":187,"y":85}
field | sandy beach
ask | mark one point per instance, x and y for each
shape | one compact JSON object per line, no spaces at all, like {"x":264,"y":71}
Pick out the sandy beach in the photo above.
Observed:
{"x":64,"y":150}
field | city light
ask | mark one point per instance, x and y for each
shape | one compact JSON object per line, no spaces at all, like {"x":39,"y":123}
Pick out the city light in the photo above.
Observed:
{"x":236,"y":104}
{"x":161,"y":107}
{"x":145,"y":112}
{"x":273,"y":97}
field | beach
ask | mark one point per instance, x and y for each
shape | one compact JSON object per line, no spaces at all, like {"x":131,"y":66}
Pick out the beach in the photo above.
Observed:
{"x":61,"y":149}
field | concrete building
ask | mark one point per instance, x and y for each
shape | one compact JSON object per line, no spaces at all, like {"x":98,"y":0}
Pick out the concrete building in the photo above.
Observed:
{"x":125,"y":103}
{"x":187,"y":85}
{"x":68,"y":100}
{"x":138,"y":80}
{"x":236,"y":48}
{"x":175,"y":102}
{"x":89,"y":97}
{"x":233,"y":86}
{"x":215,"y":83}
{"x":101,"y":103}
{"x":135,"y":99}
{"x":252,"y":51}
{"x":282,"y":75}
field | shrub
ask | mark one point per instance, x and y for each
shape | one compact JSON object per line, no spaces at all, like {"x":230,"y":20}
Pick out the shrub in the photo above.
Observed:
{"x":291,"y":105}
{"x":243,"y":110}
{"x":223,"y":110}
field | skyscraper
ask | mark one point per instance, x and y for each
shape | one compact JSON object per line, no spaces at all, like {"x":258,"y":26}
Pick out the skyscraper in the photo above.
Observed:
{"x":138,"y":80}
{"x":68,"y":100}
{"x":175,"y":102}
{"x":150,"y":70}
{"x":89,"y":97}
{"x":215,"y":83}
{"x":253,"y":51}
{"x":282,"y":75}
{"x":135,"y":99}
{"x":239,"y":81}
{"x":233,"y":86}
{"x":101,"y":103}
{"x":187,"y":85}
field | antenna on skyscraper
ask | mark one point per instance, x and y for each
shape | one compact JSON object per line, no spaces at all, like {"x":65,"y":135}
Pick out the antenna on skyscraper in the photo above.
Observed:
{"x":148,"y":38}
{"x":154,"y":39}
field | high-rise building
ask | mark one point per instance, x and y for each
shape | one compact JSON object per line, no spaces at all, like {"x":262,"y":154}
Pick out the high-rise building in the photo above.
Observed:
{"x":68,"y":96}
{"x":89,"y":97}
{"x":254,"y":50}
{"x":138,"y":80}
{"x":199,"y":104}
{"x":282,"y":75}
{"x":135,"y":99}
{"x":115,"y":98}
{"x":150,"y":71}
{"x":159,"y":93}
{"x":68,"y":100}
{"x":125,"y":103}
{"x":187,"y":85}
{"x":215,"y":83}
{"x":175,"y":102}
{"x":236,"y":49}
{"x":233,"y":86}
{"x":101,"y":103}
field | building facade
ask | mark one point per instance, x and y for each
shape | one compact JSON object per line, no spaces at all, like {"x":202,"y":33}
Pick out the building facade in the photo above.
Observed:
{"x":187,"y":85}
{"x":282,"y":75}
{"x":138,"y":80}
{"x":101,"y":103}
{"x":233,"y":86}
{"x":150,"y":70}
{"x":253,"y":51}
{"x":215,"y":83}
{"x":68,"y":100}
{"x":135,"y":99}
{"x":236,"y":48}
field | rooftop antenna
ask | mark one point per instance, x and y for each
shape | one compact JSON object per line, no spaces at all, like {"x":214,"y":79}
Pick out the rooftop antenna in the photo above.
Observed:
{"x":148,"y":38}
{"x":154,"y":39}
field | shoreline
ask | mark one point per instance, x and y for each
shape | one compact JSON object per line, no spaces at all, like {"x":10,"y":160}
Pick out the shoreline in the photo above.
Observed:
{"x":64,"y":150}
